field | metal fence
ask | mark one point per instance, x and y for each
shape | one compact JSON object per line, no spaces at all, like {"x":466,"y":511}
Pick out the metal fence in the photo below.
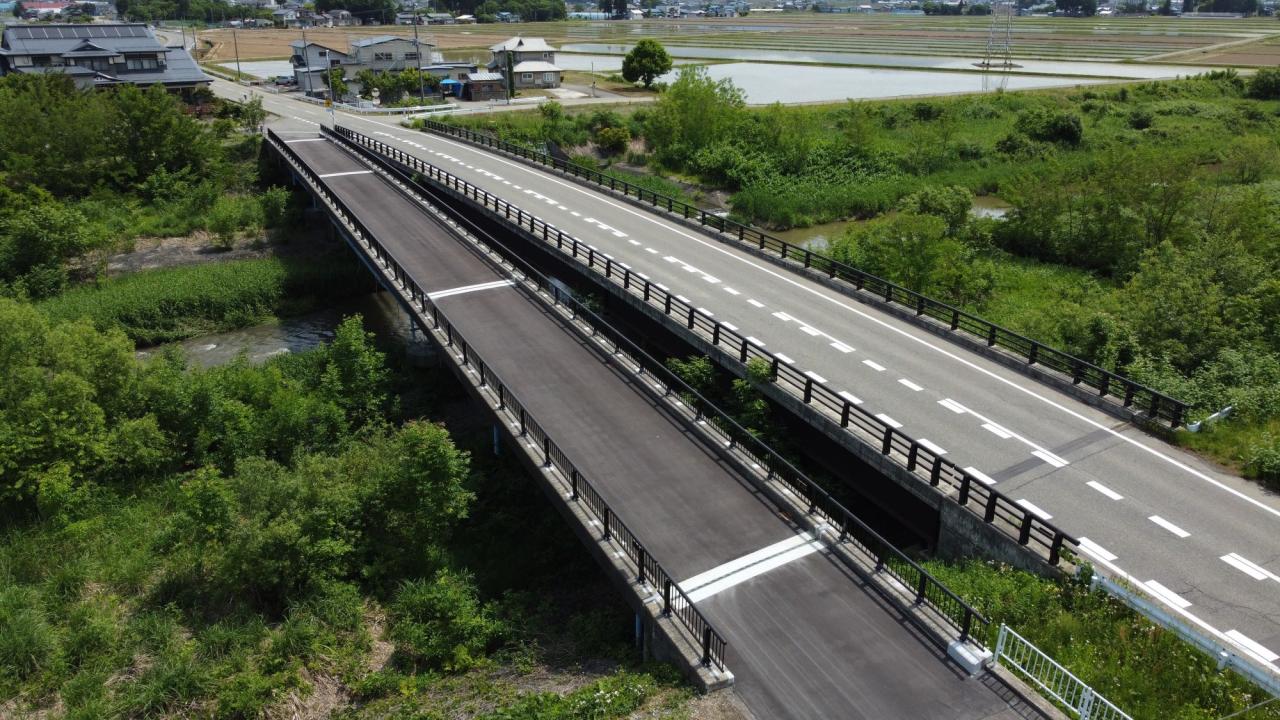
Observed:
{"x":921,"y":461}
{"x":1015,"y":652}
{"x":648,"y":570}
{"x":1107,"y":384}
{"x":928,"y":591}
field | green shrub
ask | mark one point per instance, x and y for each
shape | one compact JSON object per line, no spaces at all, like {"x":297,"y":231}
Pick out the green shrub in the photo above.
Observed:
{"x":1140,"y":118}
{"x":1265,"y":84}
{"x":1050,"y":126}
{"x":613,"y":140}
{"x":442,"y":623}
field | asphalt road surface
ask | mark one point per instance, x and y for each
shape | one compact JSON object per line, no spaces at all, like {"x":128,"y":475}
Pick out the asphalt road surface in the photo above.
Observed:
{"x":806,"y":638}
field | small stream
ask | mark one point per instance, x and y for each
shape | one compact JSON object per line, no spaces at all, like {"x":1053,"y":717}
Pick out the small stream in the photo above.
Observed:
{"x":382,"y":316}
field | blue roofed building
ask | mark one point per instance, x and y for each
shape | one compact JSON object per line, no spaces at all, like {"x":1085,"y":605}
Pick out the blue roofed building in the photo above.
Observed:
{"x":98,"y":55}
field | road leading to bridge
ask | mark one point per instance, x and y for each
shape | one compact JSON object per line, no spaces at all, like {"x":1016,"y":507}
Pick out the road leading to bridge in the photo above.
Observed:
{"x":807,"y":639}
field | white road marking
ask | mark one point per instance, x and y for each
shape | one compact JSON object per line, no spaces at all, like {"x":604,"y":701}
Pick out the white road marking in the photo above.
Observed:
{"x":1169,"y":526}
{"x":670,"y":259}
{"x":889,"y":421}
{"x":1253,"y":645}
{"x":651,"y":251}
{"x":815,"y":376}
{"x":909,"y":385}
{"x":782,"y":316}
{"x":349,"y":172}
{"x":302,"y":140}
{"x":755,"y":303}
{"x":711,"y":279}
{"x":784,"y":358}
{"x":980,"y":476}
{"x":873,"y":365}
{"x":1248,"y":567}
{"x":997,"y":431}
{"x":1168,"y":595}
{"x":854,"y":399}
{"x":1096,"y":550}
{"x":731,"y":291}
{"x":634,"y":242}
{"x":682,"y":298}
{"x":1035,"y":510}
{"x":809,"y":331}
{"x":739,"y":570}
{"x":729,"y":325}
{"x":471,"y":288}
{"x":1105,"y":490}
{"x":842,"y":347}
{"x":931,"y":446}
{"x":706,"y":312}
{"x":755,"y":341}
{"x":1050,"y":458}
{"x":953,"y":406}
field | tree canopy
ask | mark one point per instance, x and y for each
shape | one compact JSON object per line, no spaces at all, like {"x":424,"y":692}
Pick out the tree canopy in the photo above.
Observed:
{"x":646,"y":61}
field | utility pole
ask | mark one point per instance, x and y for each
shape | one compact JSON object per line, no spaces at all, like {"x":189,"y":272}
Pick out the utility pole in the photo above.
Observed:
{"x":236,"y":43}
{"x":422,"y":91}
{"x":306,"y":58}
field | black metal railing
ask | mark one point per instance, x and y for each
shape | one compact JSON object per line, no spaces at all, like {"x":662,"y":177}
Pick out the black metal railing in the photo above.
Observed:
{"x":924,"y":463}
{"x":648,"y":570}
{"x":1118,"y":388}
{"x":928,"y":591}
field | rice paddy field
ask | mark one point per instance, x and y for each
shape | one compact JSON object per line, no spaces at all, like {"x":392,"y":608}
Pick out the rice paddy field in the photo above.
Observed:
{"x":1220,"y":41}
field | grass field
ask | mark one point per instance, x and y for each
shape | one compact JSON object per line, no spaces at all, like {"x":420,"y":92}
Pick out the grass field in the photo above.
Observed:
{"x":1223,"y":41}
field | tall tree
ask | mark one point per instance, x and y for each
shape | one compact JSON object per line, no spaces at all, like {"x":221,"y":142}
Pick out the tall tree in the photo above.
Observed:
{"x":646,"y":61}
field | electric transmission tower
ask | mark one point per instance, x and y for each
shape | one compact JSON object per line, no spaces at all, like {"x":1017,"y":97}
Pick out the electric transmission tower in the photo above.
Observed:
{"x":1000,"y":35}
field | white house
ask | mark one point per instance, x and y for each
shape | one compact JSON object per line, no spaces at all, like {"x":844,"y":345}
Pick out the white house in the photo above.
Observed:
{"x":532,"y":62}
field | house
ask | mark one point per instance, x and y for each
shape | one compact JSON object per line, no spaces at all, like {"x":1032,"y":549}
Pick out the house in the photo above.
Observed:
{"x":99,"y":55}
{"x":341,"y":18}
{"x":450,"y":70}
{"x":311,"y":62}
{"x":484,"y":86}
{"x":285,"y":17}
{"x":409,"y":18}
{"x":507,"y":17}
{"x":387,"y":52}
{"x":532,"y":62}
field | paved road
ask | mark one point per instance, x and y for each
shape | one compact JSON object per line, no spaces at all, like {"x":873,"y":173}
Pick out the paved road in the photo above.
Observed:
{"x":806,"y":640}
{"x":1202,"y":540}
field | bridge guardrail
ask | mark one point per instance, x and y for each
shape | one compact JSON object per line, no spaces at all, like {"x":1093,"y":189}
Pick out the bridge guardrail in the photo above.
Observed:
{"x":1154,"y":404}
{"x":648,"y":569}
{"x":929,"y":592}
{"x":921,"y":461}
{"x":1014,"y":651}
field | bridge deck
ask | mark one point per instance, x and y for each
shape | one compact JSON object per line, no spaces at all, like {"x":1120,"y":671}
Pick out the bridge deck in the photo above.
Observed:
{"x":806,"y":638}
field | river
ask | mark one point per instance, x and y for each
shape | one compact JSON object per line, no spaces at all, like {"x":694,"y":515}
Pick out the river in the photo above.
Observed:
{"x":382,"y":316}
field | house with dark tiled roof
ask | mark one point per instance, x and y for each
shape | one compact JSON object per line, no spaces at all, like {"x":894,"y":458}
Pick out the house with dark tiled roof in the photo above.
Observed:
{"x":98,"y":55}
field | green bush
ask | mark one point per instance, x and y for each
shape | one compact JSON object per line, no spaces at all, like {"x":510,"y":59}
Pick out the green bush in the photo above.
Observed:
{"x":1265,"y":84}
{"x":613,"y":140}
{"x":1050,"y":126}
{"x":441,"y":623}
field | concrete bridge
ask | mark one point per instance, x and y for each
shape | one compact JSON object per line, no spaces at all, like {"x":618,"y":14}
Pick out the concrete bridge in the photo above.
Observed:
{"x":739,"y":568}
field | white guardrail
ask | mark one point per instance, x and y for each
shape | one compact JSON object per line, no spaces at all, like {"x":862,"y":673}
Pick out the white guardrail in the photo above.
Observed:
{"x":1014,"y":652}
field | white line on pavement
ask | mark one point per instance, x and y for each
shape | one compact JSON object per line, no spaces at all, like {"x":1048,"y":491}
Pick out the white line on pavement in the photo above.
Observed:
{"x":1168,"y":595}
{"x":873,"y":365}
{"x":980,"y":476}
{"x":815,"y":376}
{"x":1036,"y":510}
{"x":470,"y":288}
{"x":1105,"y":490}
{"x":1248,"y":567}
{"x":1253,"y":645}
{"x":889,"y":421}
{"x":755,"y":341}
{"x":953,"y":406}
{"x":850,"y":397}
{"x":909,"y":385}
{"x":997,"y":431}
{"x":1096,"y":550}
{"x":1050,"y":458}
{"x":734,"y":572}
{"x":1169,"y":526}
{"x":933,"y":447}
{"x":755,"y":303}
{"x":842,"y":347}
{"x":809,"y":331}
{"x":731,"y":291}
{"x":349,"y":172}
{"x":784,"y":358}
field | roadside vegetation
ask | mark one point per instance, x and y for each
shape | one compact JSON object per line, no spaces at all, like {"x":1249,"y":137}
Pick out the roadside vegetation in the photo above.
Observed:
{"x":284,"y":538}
{"x":1145,"y":670}
{"x":150,"y":167}
{"x":1142,"y":234}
